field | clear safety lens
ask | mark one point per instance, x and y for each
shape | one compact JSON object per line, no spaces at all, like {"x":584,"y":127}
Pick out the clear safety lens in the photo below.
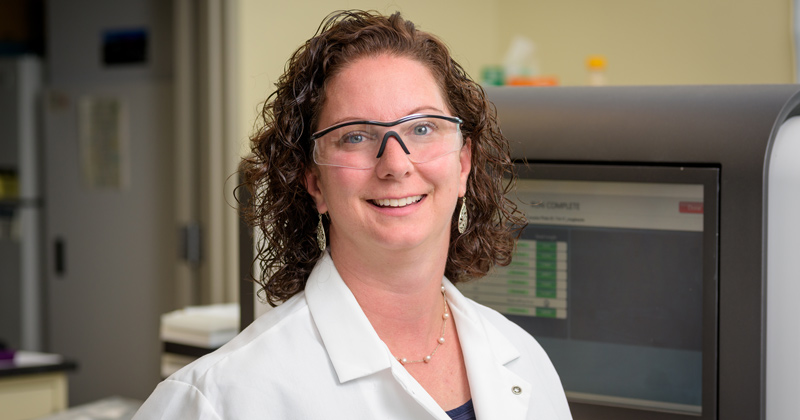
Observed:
{"x":360,"y":144}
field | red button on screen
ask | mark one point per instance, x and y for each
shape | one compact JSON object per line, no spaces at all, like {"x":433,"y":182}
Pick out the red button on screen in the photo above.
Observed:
{"x":691,"y":207}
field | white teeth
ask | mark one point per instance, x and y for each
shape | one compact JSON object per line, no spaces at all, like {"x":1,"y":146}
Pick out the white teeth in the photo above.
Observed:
{"x":398,"y":202}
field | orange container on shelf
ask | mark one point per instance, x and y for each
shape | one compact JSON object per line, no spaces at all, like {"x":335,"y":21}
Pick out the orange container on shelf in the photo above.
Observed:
{"x":532,"y":81}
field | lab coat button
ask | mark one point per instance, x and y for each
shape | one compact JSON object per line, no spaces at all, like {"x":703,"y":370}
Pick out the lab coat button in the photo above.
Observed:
{"x":516,"y":390}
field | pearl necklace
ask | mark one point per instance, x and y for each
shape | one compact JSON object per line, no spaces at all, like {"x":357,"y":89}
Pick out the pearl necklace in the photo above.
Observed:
{"x":439,"y":342}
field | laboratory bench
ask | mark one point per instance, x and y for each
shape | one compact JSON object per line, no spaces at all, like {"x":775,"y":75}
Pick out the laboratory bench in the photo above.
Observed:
{"x":33,"y":385}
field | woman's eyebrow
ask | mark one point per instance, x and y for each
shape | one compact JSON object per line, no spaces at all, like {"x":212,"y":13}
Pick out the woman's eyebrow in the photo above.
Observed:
{"x":418,"y":110}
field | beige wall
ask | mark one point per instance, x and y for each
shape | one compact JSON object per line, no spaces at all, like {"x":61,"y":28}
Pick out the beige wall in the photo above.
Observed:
{"x":645,"y":41}
{"x":270,"y":31}
{"x":658,"y":41}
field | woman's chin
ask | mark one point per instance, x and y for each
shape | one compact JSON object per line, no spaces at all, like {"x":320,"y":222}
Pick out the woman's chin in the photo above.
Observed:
{"x":410,"y":238}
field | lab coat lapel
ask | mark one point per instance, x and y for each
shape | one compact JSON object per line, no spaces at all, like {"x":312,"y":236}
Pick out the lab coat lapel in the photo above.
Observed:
{"x":352,"y":344}
{"x":497,"y":392}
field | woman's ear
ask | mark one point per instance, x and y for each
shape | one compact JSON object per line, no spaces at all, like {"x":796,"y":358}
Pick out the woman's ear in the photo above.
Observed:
{"x":314,"y":188}
{"x":465,"y":157}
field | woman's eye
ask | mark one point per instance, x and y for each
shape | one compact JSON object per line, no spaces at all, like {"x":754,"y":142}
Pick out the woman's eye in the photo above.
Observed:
{"x":353,"y":138}
{"x":422,"y":130}
{"x":356,"y":138}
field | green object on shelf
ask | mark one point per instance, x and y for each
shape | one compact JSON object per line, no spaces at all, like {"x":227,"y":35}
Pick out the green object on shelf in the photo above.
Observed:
{"x":493,"y":76}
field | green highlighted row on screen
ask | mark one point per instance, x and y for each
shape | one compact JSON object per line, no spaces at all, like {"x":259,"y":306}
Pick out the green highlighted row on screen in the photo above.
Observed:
{"x":522,"y":244}
{"x":540,"y":312}
{"x":538,"y":245}
{"x":546,"y":246}
{"x":540,"y":284}
{"x":539,"y":265}
{"x":539,"y":254}
{"x":540,"y":274}
{"x":540,"y":293}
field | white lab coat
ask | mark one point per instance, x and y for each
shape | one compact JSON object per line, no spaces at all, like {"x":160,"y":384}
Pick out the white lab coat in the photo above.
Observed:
{"x":318,"y":357}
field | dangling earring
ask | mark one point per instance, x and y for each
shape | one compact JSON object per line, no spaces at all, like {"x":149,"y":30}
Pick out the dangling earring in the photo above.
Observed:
{"x":463,"y":218}
{"x":320,"y":234}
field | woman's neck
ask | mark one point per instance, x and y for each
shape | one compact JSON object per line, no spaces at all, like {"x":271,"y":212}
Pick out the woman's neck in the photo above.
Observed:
{"x":399,"y":291}
{"x":401,"y":294}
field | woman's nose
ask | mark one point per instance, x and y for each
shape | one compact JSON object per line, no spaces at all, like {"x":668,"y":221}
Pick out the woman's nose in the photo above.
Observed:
{"x":393,"y":161}
{"x":388,"y":136}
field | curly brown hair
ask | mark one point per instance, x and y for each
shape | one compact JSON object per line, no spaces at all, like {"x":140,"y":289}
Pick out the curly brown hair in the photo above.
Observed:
{"x":274,"y":173}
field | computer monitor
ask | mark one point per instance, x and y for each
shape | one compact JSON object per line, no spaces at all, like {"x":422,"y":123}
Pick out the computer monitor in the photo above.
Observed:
{"x":616,"y":277}
{"x":744,"y":134}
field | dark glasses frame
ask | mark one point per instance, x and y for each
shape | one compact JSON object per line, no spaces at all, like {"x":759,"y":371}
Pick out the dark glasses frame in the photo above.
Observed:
{"x":319,"y":134}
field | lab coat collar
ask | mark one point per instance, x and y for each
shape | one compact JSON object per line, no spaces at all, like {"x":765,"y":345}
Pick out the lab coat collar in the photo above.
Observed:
{"x":356,"y":351}
{"x":497,"y":392}
{"x":500,"y":347}
{"x":352,"y":344}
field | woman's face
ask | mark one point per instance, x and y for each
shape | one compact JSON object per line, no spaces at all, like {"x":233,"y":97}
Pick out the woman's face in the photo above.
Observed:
{"x":387,"y":88}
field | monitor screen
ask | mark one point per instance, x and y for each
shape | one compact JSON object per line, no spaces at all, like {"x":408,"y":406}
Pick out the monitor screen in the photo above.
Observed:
{"x":615,"y":276}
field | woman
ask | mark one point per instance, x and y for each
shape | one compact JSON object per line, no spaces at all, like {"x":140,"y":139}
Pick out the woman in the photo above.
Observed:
{"x":378,"y":175}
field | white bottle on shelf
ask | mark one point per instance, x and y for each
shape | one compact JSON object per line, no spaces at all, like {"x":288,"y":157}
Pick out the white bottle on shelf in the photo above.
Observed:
{"x":596,"y":66}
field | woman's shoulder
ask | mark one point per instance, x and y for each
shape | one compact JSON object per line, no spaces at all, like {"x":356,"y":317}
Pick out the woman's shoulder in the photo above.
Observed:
{"x":235,"y":377}
{"x":262,"y":342}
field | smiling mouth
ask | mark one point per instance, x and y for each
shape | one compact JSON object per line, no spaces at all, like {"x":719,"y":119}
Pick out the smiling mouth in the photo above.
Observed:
{"x":397,"y":202}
